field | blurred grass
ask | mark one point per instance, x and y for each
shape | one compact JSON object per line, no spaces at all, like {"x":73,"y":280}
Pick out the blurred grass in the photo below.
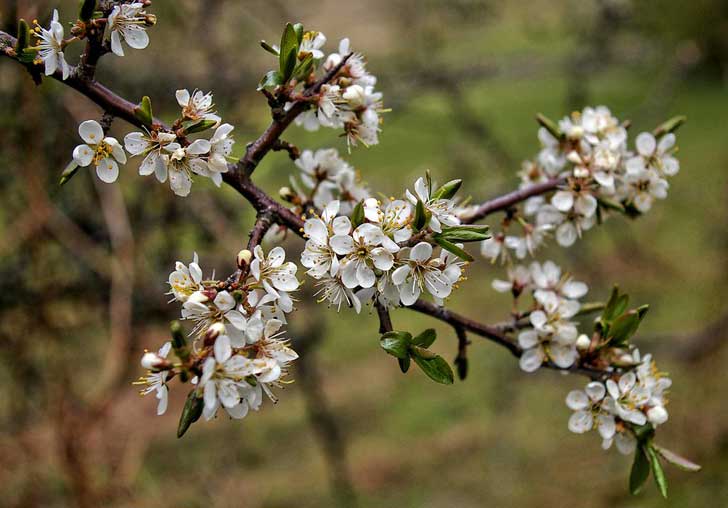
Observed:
{"x":500,"y":437}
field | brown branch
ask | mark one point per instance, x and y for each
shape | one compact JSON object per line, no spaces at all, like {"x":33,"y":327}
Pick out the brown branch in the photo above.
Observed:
{"x":506,"y":201}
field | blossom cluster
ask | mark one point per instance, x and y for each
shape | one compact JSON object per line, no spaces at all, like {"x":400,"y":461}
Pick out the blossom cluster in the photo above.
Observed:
{"x":168,"y":154}
{"x":589,"y":150}
{"x":239,"y":351}
{"x":126,"y":22}
{"x":633,"y":398}
{"x":349,"y":101}
{"x":376,"y":259}
{"x":550,"y":334}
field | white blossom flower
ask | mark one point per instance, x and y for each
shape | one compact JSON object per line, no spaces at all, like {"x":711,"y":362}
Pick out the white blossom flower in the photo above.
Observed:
{"x":312,"y":42}
{"x":519,"y":279}
{"x":197,"y":106}
{"x":654,"y":155}
{"x":441,"y":209}
{"x":333,"y":290}
{"x":222,"y":309}
{"x":156,"y":381}
{"x":278,"y":278}
{"x":568,"y":226}
{"x":626,"y":443}
{"x":355,"y":67}
{"x":183,"y":161}
{"x":103,"y":152}
{"x":393,"y":220}
{"x":50,"y":47}
{"x":364,"y":253}
{"x":581,"y":201}
{"x":152,"y":146}
{"x":642,"y":188}
{"x":127,"y":22}
{"x":185,"y":280}
{"x":548,"y":277}
{"x":318,"y":256}
{"x":588,"y":411}
{"x":626,"y":397}
{"x":493,"y":248}
{"x":221,"y":145}
{"x":419,"y":272}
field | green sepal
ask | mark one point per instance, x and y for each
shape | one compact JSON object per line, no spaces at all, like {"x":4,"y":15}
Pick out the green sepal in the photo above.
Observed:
{"x":143,"y":111}
{"x":396,"y":344}
{"x":657,"y":472}
{"x":68,"y":172}
{"x":271,"y":78}
{"x":447,"y":190}
{"x":357,"y":215}
{"x":190,"y":413}
{"x":193,"y":126}
{"x":640,"y":471}
{"x":86,"y":9}
{"x":270,"y":49}
{"x":23,"y":37}
{"x":464,"y":233}
{"x":454,"y":249}
{"x":404,"y":365}
{"x":434,"y":366}
{"x":425,"y":339}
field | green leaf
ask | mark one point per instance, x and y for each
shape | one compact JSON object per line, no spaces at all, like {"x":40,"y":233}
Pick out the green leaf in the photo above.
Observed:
{"x":68,"y":172}
{"x":271,"y":78}
{"x":640,"y":471}
{"x":435,"y":367}
{"x":677,"y":460}
{"x":657,"y":471}
{"x":624,"y":327}
{"x":143,"y":111}
{"x":549,"y":125}
{"x":404,"y":365}
{"x":190,"y":413}
{"x":448,"y":190}
{"x":465,"y":233}
{"x":357,"y":215}
{"x":425,"y":339}
{"x":421,"y":219}
{"x":288,"y":52}
{"x":396,"y":344}
{"x":451,"y":247}
{"x":298,"y":28}
{"x":428,"y":180}
{"x":192,"y":126}
{"x":86,"y":9}
{"x":616,"y":306}
{"x":611,"y":204}
{"x":23,"y":37}
{"x":270,"y":49}
{"x":642,"y":311}
{"x":670,"y":125}
{"x":304,"y":68}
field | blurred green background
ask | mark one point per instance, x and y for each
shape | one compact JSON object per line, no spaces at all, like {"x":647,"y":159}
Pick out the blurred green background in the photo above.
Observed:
{"x":83,"y":268}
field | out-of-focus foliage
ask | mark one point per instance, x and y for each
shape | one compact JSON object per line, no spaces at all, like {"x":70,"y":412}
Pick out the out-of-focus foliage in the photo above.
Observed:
{"x":83,"y":267}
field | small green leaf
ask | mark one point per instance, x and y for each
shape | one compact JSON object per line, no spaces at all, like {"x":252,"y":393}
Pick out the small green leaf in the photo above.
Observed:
{"x":677,"y":460}
{"x":428,"y":180}
{"x":451,"y":247}
{"x":357,"y":215}
{"x":611,"y":204}
{"x":421,"y":352}
{"x":670,"y":125}
{"x":549,"y":125}
{"x":616,"y":306}
{"x":425,"y":339}
{"x":396,"y":344}
{"x":448,"y":190}
{"x":298,"y":28}
{"x":304,"y":68}
{"x":464,"y":233}
{"x":270,"y":49}
{"x":192,"y":126}
{"x":271,"y":78}
{"x":288,"y":52}
{"x":435,"y":367}
{"x":144,"y":111}
{"x":421,"y":219}
{"x":657,"y":471}
{"x":23,"y":37}
{"x":190,"y":413}
{"x":624,"y":327}
{"x":642,"y":311}
{"x":404,"y":365}
{"x":86,"y":9}
{"x":68,"y":172}
{"x":640,"y":471}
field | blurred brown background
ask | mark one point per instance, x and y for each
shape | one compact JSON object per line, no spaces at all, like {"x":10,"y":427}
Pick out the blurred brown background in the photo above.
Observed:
{"x":83,"y":268}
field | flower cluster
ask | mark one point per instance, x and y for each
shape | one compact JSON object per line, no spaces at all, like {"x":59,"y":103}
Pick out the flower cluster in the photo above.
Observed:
{"x":374,"y":259}
{"x":589,"y":151}
{"x":349,"y":101}
{"x":633,"y":398}
{"x":126,"y":22}
{"x":550,"y":335}
{"x":238,"y":349}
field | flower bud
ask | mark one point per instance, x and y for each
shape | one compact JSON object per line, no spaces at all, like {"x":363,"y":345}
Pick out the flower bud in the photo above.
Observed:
{"x":243,"y":259}
{"x":583,"y":342}
{"x":287,"y":194}
{"x":581,"y":172}
{"x":150,"y":20}
{"x":574,"y":157}
{"x":354,"y":95}
{"x":215,"y":330}
{"x":657,"y":415}
{"x":152,"y":361}
{"x":198,"y":297}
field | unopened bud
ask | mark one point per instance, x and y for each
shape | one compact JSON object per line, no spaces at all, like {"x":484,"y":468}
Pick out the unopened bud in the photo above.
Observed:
{"x":198,"y":297}
{"x":574,"y":157}
{"x":243,"y":259}
{"x":581,"y":172}
{"x":583,"y":342}
{"x":150,"y":20}
{"x":153,"y":361}
{"x":657,"y":415}
{"x":215,"y":330}
{"x":287,"y":195}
